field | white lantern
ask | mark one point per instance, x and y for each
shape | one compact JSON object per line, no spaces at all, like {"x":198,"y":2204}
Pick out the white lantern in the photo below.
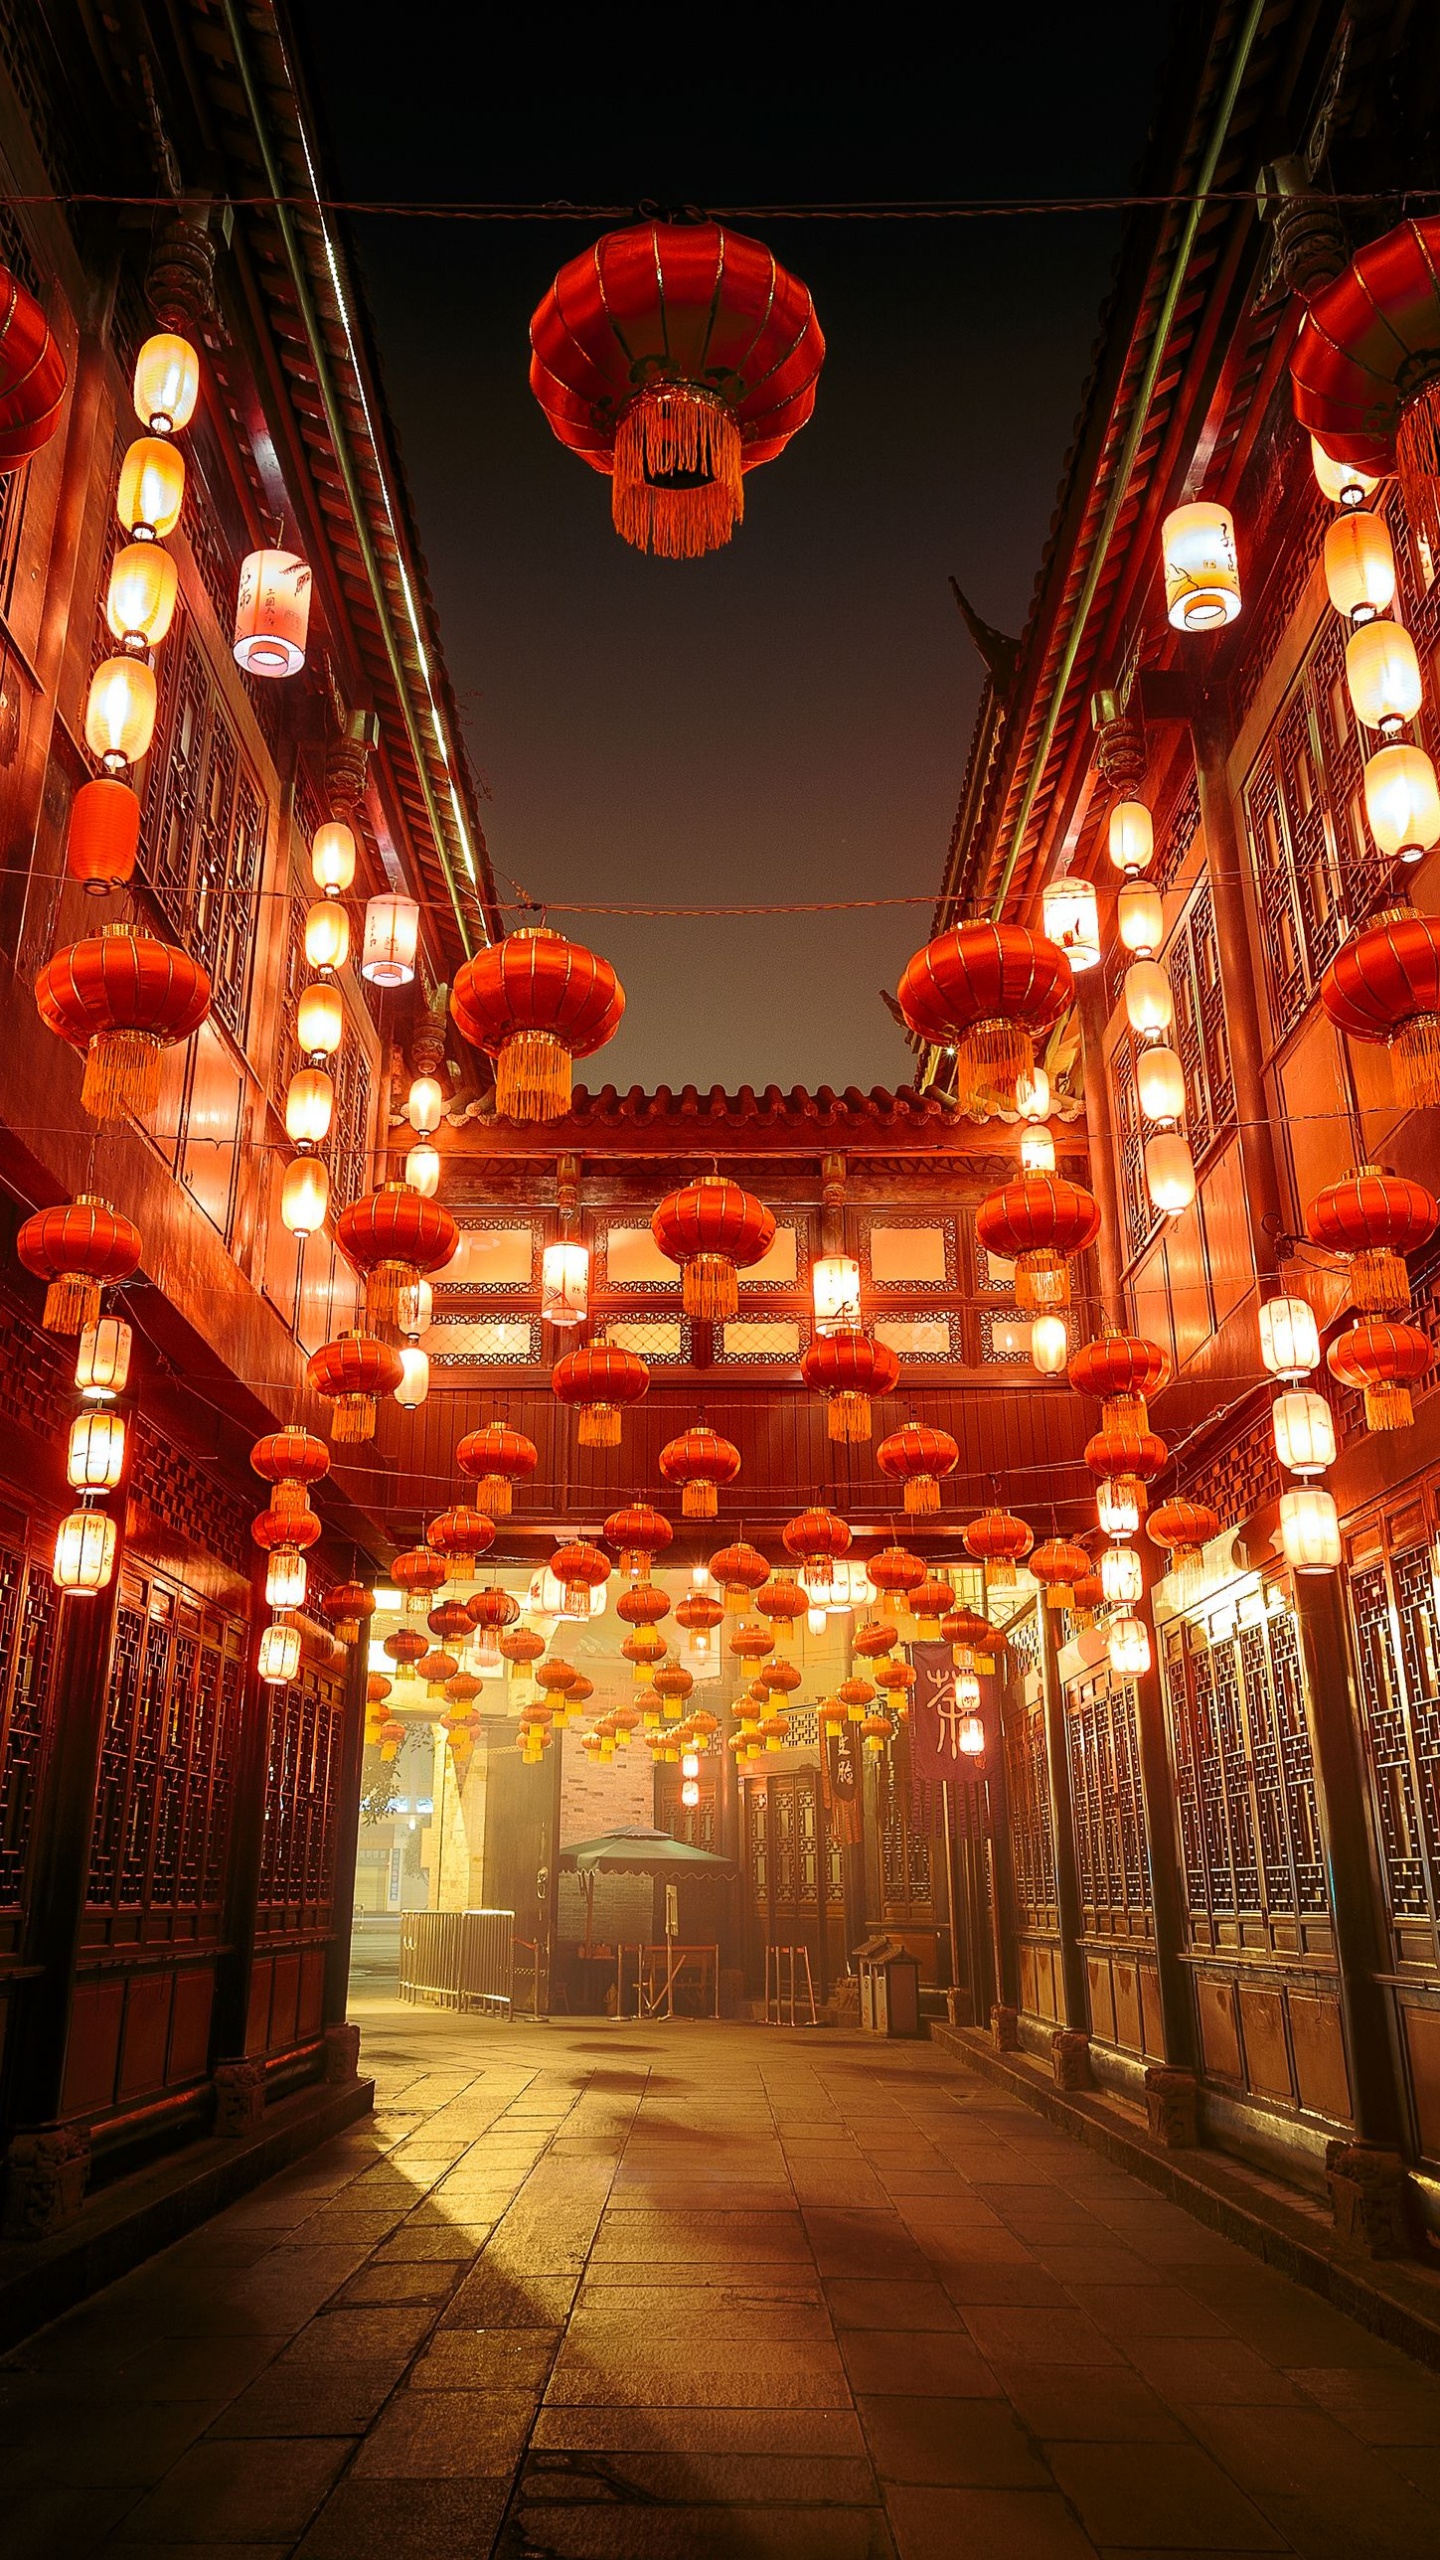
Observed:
{"x":414,"y":1385}
{"x":424,"y":1104}
{"x":84,"y":1553}
{"x":1402,"y":802}
{"x":392,"y":939}
{"x":414,"y":1306}
{"x":1149,"y":1004}
{"x":971,"y":1735}
{"x":1383,"y":674}
{"x":1032,"y":1093}
{"x":278,"y":1659}
{"x":422,"y":1168}
{"x":1359,"y":565}
{"x":140,"y":599}
{"x":1128,"y":1641}
{"x":332,"y":857}
{"x":1309,"y":1529}
{"x":835,"y":1284}
{"x":1116,"y":1507}
{"x":285,"y":1578}
{"x":95,"y":1458}
{"x":167,"y":384}
{"x":564,"y":1284}
{"x":151,"y":489}
{"x":967,"y":1692}
{"x":690,"y":1793}
{"x":1131,"y":837}
{"x":1037,"y":1150}
{"x":102,"y":1363}
{"x":120,"y":712}
{"x":327,"y":934}
{"x":1289,"y":1337}
{"x":1169,"y":1172}
{"x":1072,"y":920}
{"x":1304,"y":1432}
{"x":1140,"y":916}
{"x":1122,"y":1577}
{"x":1160,"y":1084}
{"x":272,"y":613}
{"x":309,"y":1107}
{"x":1202,"y":575}
{"x":1049,"y":1345}
{"x":690,"y":1764}
{"x":1343,"y":483}
{"x":305,"y":1196}
{"x":319,"y":1021}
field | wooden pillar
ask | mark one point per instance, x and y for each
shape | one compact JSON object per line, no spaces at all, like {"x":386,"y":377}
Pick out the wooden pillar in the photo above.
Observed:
{"x":1109,"y":1251}
{"x":1162,"y":1835}
{"x":1076,"y":2020}
{"x":347,"y":1830}
{"x":1002,"y":1865}
{"x":247,"y":1842}
{"x":1228,"y":863}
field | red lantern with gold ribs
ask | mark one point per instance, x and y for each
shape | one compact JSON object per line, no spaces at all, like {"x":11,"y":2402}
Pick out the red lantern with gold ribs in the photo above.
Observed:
{"x":291,"y":1456}
{"x":782,"y":1604}
{"x":929,"y":1605}
{"x":644,"y":1649}
{"x":272,"y":1529}
{"x":405,"y":1646}
{"x":1365,"y":371}
{"x":673,"y":1684}
{"x":895,"y":1573}
{"x":1385,"y":1361}
{"x":498,"y":1459}
{"x":1374,"y":1218}
{"x":699,"y":1613}
{"x":122,"y":998}
{"x":816,"y":1538}
{"x":643,"y":1604}
{"x":917,"y":1457}
{"x":534,"y":1003}
{"x":347,"y":1605}
{"x":579,"y":1569}
{"x":638,"y":1533}
{"x":712,"y":1229}
{"x":492,"y":1609}
{"x":352,"y":1373}
{"x":971,"y":1638}
{"x":987,"y":991}
{"x":599,"y":1382}
{"x":700,"y":1460}
{"x":848,"y":1369}
{"x":1039,"y":1223}
{"x":418,"y":1573}
{"x":1384,"y":987}
{"x":998,"y":1541}
{"x":1057,"y":1566}
{"x":32,"y":374}
{"x":461,"y":1535}
{"x":1130,"y":1460}
{"x":449,"y":1620}
{"x":78,"y":1250}
{"x":395,"y":1237}
{"x":1180,"y":1529}
{"x":876,"y":1639}
{"x":676,"y":356}
{"x":1122,"y":1370}
{"x":739,"y":1570}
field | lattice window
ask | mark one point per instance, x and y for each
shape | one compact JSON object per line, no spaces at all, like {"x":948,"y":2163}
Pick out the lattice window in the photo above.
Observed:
{"x":1004,"y":1337}
{"x":1243,"y":1477}
{"x":1032,"y":1831}
{"x":1181,"y":829}
{"x":931,"y":1337}
{"x":27,"y":1644}
{"x":1244,"y":1772}
{"x":1111,"y":1846}
{"x":175,"y":1490}
{"x":661,"y":1341}
{"x":203,"y":824}
{"x":485,"y":1341}
{"x":1200,"y":1036}
{"x":1295,"y":551}
{"x":1136,"y":1206}
{"x":910,"y":1253}
{"x":752,"y":1339}
{"x":168,"y":1755}
{"x":1397,"y":1641}
{"x":298,"y":1853}
{"x":35,"y":1377}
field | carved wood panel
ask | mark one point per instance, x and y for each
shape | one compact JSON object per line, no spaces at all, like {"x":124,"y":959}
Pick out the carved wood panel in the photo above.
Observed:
{"x":1397,"y":1648}
{"x":1111,"y":1845}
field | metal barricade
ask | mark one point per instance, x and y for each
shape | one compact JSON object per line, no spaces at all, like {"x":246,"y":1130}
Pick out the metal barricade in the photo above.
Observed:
{"x":459,"y":1959}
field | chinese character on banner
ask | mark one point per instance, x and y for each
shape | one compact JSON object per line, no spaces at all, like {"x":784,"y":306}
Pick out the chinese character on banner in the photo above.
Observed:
{"x":935,"y":1719}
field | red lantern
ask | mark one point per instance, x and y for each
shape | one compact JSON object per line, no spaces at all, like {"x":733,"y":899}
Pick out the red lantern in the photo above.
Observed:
{"x":782,"y":1604}
{"x":1122,"y":1370}
{"x":347,"y":1605}
{"x":998,"y":1541}
{"x":498,"y":1458}
{"x":676,"y":356}
{"x":533,"y":1003}
{"x":700,"y":1461}
{"x":638,"y":1533}
{"x":751,"y":1643}
{"x":1384,"y":987}
{"x":1374,"y":1218}
{"x":739,"y":1570}
{"x":579,"y":1569}
{"x":1365,"y":372}
{"x":291,"y":1456}
{"x":986,"y":990}
{"x":449,"y":1619}
{"x":522,"y":1646}
{"x":122,"y":998}
{"x":673,"y":1683}
{"x":394,"y":1237}
{"x":1385,"y":1361}
{"x":1130,"y":1459}
{"x":848,"y":1369}
{"x":644,"y":1604}
{"x":352,"y":1373}
{"x":917,"y":1457}
{"x":405,"y":1646}
{"x":699,"y":1613}
{"x":971,"y":1638}
{"x":930,"y":1604}
{"x":876,"y":1639}
{"x":377,"y":1689}
{"x":600,"y":1382}
{"x":272,"y":1529}
{"x":816,"y":1538}
{"x":78,"y":1249}
{"x":104,"y":835}
{"x":1057,"y":1566}
{"x":712,"y":1228}
{"x":492,"y":1609}
{"x":1089,"y":1596}
{"x":1181,"y":1529}
{"x":32,"y":375}
{"x":895,"y":1573}
{"x":417,"y":1573}
{"x":1039,"y":1223}
{"x":460,"y":1535}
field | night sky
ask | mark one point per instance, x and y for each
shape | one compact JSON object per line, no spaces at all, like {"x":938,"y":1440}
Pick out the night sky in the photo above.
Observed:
{"x":789,"y":718}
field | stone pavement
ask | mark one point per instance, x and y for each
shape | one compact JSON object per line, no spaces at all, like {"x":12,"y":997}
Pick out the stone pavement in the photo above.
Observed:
{"x":706,"y":2290}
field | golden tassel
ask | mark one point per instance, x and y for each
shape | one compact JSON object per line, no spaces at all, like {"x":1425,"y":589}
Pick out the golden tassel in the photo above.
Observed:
{"x":736,"y":1600}
{"x":70,"y":1305}
{"x":354,"y":1418}
{"x":849,"y":1416}
{"x":532,"y":1077}
{"x":677,"y":487}
{"x":1417,"y":462}
{"x":1379,"y":1279}
{"x":699,"y":1501}
{"x":288,"y":1499}
{"x":922,"y":1493}
{"x":493,"y":1494}
{"x":999,"y":1572}
{"x":710,"y":1292}
{"x":1415,"y":1056}
{"x":1058,"y":1595}
{"x":1124,"y":1413}
{"x":989,"y":1059}
{"x":1388,"y":1408}
{"x":1042,"y":1279}
{"x":122,"y":1073}
{"x":384,"y":1288}
{"x":599,"y":1426}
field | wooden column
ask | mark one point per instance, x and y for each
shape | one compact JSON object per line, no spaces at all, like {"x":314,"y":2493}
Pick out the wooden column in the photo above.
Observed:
{"x":1067,"y":1881}
{"x":1002,"y":1865}
{"x":1109,"y":1248}
{"x":1227,"y":866}
{"x":347,"y":1830}
{"x":1162,"y":1835}
{"x":247,"y":1843}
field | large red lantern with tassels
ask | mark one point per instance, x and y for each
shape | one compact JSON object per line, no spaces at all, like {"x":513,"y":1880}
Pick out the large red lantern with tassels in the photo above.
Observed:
{"x":782,"y":1604}
{"x":123,"y":998}
{"x":534,"y":1003}
{"x":347,"y":1605}
{"x":1040,"y":1223}
{"x":895,"y":1573}
{"x":817,"y":1539}
{"x":1122,"y":1370}
{"x":271,"y":1529}
{"x":1385,"y":1361}
{"x":739,"y":1570}
{"x":32,"y":374}
{"x":848,"y":1369}
{"x":498,"y":1459}
{"x":700,"y":1460}
{"x":579,"y":1569}
{"x":986,"y":991}
{"x":78,"y":1250}
{"x":1383,"y":986}
{"x":676,"y":356}
{"x":291,"y":1456}
{"x":1058,"y":1565}
{"x":712,"y":1229}
{"x":461,"y":1535}
{"x":600,"y":1382}
{"x":638,"y":1533}
{"x":1129,"y":1460}
{"x":492,"y":1609}
{"x":352,"y":1373}
{"x":395,"y":1236}
{"x":1180,"y":1528}
{"x":917,"y":1457}
{"x":998,"y":1541}
{"x":1365,"y":372}
{"x":419,"y":1573}
{"x":642,"y":1604}
{"x":1374,"y":1219}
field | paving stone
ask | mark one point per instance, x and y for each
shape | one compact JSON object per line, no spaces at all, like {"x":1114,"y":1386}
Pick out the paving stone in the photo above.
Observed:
{"x":1087,"y":2404}
{"x":486,"y":2360}
{"x":872,"y":2303}
{"x":240,"y":2492}
{"x":1011,"y":2524}
{"x":322,"y":2404}
{"x":1172,"y":2495}
{"x":1024,"y":2336}
{"x":949,"y":2443}
{"x":1388,"y":2408}
{"x":407,"y":2520}
{"x":928,"y":2362}
{"x":447,"y":2435}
